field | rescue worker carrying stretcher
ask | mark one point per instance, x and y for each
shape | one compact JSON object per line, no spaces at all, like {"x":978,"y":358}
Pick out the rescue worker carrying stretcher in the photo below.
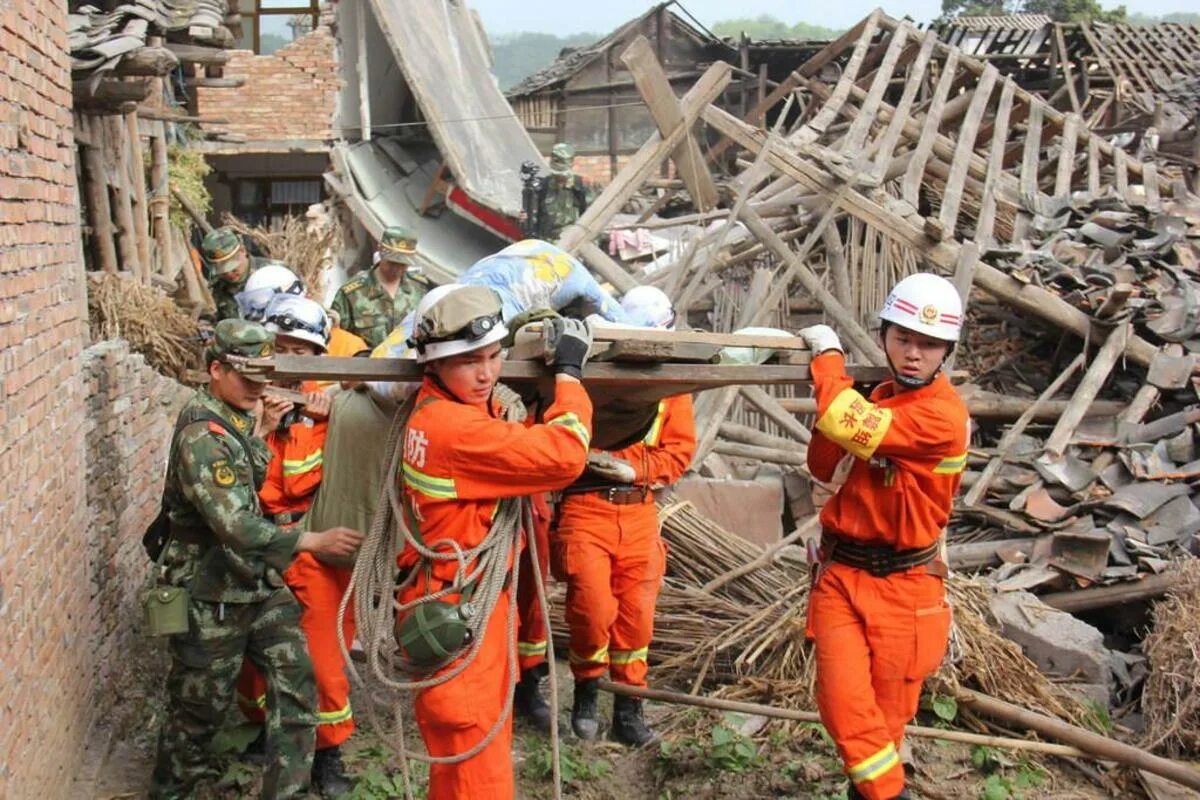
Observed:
{"x":877,"y":612}
{"x":608,"y":551}
{"x":461,"y":464}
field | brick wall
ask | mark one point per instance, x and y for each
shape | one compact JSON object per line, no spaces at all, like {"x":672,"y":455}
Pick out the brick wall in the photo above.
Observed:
{"x":597,"y":169}
{"x":290,"y":94}
{"x":44,"y":587}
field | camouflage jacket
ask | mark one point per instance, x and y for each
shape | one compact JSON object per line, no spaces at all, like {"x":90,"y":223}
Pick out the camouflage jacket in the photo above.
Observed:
{"x":364,"y":308}
{"x":221,"y":548}
{"x":560,"y":206}
{"x":224,"y":293}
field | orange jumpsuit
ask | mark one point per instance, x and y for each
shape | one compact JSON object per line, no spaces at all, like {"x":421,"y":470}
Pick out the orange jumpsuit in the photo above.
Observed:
{"x":293,"y":476}
{"x":612,"y":558}
{"x":878,"y":638}
{"x":459,"y":461}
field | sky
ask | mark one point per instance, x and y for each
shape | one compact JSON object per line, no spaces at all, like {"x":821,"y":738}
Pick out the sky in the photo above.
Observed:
{"x":562,"y":17}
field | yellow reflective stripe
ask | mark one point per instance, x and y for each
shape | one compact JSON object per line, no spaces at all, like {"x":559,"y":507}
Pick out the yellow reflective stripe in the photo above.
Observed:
{"x":655,"y":432}
{"x":629,"y":656}
{"x":951,"y":466}
{"x":531,"y":648}
{"x":440,"y":488}
{"x":334,"y":717}
{"x":297,"y":467}
{"x":598,"y":657}
{"x":855,"y":423}
{"x":571,"y":422}
{"x":874,"y":767}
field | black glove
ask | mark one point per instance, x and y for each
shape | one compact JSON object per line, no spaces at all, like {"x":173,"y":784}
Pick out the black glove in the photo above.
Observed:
{"x":568,"y":342}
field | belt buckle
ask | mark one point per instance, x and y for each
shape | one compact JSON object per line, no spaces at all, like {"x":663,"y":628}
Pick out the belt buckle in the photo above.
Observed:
{"x":611,"y":495}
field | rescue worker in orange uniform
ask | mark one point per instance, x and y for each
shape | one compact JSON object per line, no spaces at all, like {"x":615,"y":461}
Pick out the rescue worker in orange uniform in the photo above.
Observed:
{"x":460,"y":460}
{"x":877,"y":613}
{"x":608,"y":551}
{"x":296,"y":437}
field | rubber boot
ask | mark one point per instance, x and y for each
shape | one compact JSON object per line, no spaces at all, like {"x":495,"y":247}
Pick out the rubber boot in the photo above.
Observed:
{"x":329,"y":774}
{"x":585,"y":713}
{"x":528,"y":701}
{"x":629,"y":728}
{"x":852,"y":793}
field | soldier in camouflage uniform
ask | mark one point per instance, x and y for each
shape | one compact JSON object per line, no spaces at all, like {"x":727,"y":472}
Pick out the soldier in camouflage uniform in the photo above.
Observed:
{"x":371,"y":305}
{"x":563,"y":196}
{"x":228,"y":265}
{"x":230,"y":560}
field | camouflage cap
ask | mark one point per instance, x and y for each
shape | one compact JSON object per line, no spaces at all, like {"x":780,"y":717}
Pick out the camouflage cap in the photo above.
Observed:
{"x":397,"y":241}
{"x":561,"y":157}
{"x":219,"y":248}
{"x":238,"y":337}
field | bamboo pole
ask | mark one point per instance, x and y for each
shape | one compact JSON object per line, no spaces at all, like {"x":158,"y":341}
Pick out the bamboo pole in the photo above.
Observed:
{"x":1097,"y":746}
{"x":118,"y":178}
{"x":141,"y":214}
{"x":99,"y":208}
{"x":718,"y":704}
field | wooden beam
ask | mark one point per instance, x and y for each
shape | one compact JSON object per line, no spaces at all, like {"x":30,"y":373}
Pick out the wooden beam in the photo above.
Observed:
{"x":214,"y":83}
{"x":1095,"y":378}
{"x":660,"y":99}
{"x":122,"y":197}
{"x":364,"y":83}
{"x":198,"y":54}
{"x":606,"y":267}
{"x":192,"y":211}
{"x":141,"y":212}
{"x":646,"y":160}
{"x":99,"y":208}
{"x":147,"y":61}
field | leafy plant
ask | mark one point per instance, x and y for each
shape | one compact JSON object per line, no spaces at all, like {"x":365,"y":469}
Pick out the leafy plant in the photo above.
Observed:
{"x":574,"y":765}
{"x":730,"y":751}
{"x":943,"y":706}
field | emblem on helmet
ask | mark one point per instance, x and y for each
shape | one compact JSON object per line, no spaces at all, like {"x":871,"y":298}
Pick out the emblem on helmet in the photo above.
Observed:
{"x":929,"y":314}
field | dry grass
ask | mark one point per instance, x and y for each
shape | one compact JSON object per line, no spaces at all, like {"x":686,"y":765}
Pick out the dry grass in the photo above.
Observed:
{"x":745,"y":639}
{"x":297,"y":242}
{"x":1171,"y":700}
{"x":121,"y":307}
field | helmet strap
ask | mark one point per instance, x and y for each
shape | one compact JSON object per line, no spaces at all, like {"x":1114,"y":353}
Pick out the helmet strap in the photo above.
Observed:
{"x":904,"y":380}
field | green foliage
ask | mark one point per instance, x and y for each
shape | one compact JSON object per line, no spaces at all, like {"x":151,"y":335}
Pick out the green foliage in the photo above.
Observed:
{"x":1002,"y":784}
{"x":1180,"y":17}
{"x":984,"y":758}
{"x":730,"y":751}
{"x":378,"y":784}
{"x":942,"y":706}
{"x":1098,"y":718}
{"x":186,"y":168}
{"x":766,"y":26}
{"x":1058,"y":10}
{"x":576,"y":767}
{"x":516,"y":56}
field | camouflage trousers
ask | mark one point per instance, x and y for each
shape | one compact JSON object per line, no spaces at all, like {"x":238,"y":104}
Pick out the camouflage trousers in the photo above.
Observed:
{"x":205,"y":663}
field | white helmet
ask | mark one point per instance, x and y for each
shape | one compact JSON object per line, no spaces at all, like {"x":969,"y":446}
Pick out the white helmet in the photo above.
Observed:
{"x":265,"y":282}
{"x":925,"y":303}
{"x":298,"y":317}
{"x":648,"y":307}
{"x":454,"y":319}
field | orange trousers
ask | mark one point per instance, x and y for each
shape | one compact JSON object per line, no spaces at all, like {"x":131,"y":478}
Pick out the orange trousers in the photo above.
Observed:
{"x":455,"y":716}
{"x":531,"y":630}
{"x":877,"y":639}
{"x":319,"y":588}
{"x":612,"y":560}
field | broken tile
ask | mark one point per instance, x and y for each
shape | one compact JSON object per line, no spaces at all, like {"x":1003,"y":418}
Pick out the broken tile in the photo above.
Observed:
{"x":1142,"y":498}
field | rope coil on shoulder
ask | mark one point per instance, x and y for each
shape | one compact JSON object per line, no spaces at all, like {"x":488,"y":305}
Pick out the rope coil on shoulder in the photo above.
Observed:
{"x":482,"y":572}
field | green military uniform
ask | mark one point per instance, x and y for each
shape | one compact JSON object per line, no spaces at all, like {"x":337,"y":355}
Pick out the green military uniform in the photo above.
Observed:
{"x":563,"y":196}
{"x":220,"y":250}
{"x":363,"y":305}
{"x":230,"y":560}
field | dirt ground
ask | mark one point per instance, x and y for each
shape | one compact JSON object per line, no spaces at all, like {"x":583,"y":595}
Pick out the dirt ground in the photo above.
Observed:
{"x":704,"y":755}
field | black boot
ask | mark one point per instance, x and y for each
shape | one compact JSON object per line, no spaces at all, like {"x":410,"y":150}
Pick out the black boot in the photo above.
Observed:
{"x":528,"y":701}
{"x":329,"y":775}
{"x":256,"y":751}
{"x":852,"y":793}
{"x":585,"y":714}
{"x":628,"y":726}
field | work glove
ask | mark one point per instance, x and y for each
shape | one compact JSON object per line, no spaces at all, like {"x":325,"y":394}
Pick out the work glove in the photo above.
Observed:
{"x":525,"y":318}
{"x":820,"y":338}
{"x":611,"y":468}
{"x":568,"y":343}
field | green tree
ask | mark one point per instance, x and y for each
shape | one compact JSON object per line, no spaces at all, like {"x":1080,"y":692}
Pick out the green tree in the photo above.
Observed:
{"x":1058,"y":10}
{"x":766,"y":26}
{"x":1181,"y":17}
{"x":516,"y":56}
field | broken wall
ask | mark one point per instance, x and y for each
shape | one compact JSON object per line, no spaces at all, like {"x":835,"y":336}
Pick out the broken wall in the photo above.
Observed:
{"x":290,"y":94}
{"x":44,"y":590}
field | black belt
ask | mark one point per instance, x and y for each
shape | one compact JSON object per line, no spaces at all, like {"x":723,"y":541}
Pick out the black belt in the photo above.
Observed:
{"x":617,"y":495}
{"x":875,"y":559}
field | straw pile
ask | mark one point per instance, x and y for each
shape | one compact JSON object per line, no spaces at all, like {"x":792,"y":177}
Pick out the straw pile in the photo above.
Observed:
{"x":303,"y":245}
{"x":1171,"y":700}
{"x":120,"y":307}
{"x":744,"y":639}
